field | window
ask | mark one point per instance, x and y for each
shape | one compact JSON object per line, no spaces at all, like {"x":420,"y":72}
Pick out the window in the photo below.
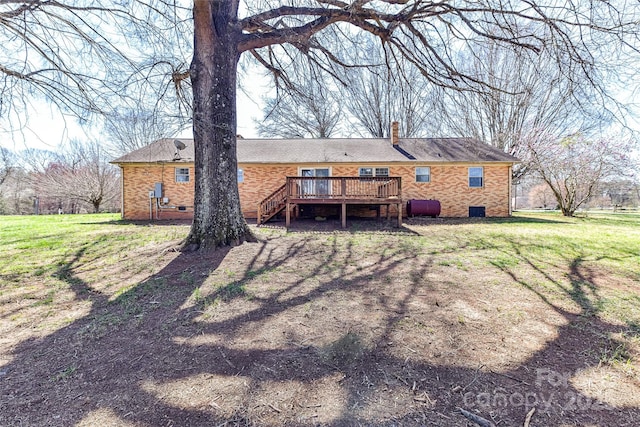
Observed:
{"x":315,"y":186}
{"x":476,"y":177}
{"x":182,"y":174}
{"x":364,"y":172}
{"x":382,"y":172}
{"x":423,"y":174}
{"x":240,"y":175}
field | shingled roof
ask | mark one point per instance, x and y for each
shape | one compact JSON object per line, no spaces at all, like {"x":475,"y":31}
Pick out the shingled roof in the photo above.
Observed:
{"x":345,"y":150}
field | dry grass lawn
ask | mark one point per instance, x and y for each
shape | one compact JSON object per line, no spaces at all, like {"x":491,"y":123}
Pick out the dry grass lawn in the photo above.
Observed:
{"x":103,"y":323}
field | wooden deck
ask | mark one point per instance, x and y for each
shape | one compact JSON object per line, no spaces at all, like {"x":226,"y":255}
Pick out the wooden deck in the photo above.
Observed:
{"x":379,"y":191}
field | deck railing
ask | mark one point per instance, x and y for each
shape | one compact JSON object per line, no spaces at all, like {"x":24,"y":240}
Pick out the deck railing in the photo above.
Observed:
{"x":272,"y":204}
{"x":343,"y":187}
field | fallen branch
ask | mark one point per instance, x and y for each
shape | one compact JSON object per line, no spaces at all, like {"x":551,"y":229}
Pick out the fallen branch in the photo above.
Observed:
{"x":224,"y":357}
{"x":477,"y":419}
{"x":510,"y":377}
{"x":274,"y":408}
{"x":527,"y":420}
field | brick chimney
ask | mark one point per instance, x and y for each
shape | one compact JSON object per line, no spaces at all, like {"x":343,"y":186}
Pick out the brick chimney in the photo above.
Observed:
{"x":394,"y":133}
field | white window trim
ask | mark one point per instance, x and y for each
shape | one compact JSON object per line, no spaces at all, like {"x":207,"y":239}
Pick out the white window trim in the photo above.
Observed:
{"x":301,"y":168}
{"x":416,"y":174}
{"x":240,"y":175}
{"x":187,"y":175}
{"x":481,"y":177}
{"x":373,"y":171}
{"x":314,"y":168}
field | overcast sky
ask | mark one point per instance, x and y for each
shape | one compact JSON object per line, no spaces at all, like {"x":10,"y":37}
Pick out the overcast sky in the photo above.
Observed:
{"x":47,"y":128}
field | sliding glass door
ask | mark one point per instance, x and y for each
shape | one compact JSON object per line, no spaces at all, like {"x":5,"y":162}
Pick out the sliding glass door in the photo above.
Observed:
{"x":317,"y":187}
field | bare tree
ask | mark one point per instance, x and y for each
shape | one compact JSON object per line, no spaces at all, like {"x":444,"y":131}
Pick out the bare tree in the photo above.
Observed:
{"x":541,"y":196}
{"x":77,"y":174}
{"x":390,"y":89}
{"x":123,"y":63}
{"x":621,"y":192}
{"x":308,"y":109}
{"x":16,"y":196}
{"x":66,"y":52}
{"x":32,"y":33}
{"x":425,"y":33}
{"x":527,"y":92}
{"x":362,"y":99}
{"x":6,"y":168}
{"x":93,"y":179}
{"x":6,"y":165}
{"x":128,"y":129}
{"x":34,"y":163}
{"x":573,"y":167}
{"x":87,"y":58}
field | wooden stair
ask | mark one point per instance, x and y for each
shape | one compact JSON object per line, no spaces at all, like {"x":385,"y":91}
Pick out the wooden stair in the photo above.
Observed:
{"x":272,"y":205}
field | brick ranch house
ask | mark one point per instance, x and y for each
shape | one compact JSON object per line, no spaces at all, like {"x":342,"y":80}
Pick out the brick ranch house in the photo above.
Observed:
{"x":326,"y":177}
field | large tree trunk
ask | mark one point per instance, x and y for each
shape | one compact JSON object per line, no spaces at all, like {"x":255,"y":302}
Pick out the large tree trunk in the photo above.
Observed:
{"x":217,"y":219}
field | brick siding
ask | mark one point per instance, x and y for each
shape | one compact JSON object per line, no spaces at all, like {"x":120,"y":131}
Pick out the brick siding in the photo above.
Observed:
{"x":138,"y":180}
{"x":449,"y":184}
{"x":259,"y":182}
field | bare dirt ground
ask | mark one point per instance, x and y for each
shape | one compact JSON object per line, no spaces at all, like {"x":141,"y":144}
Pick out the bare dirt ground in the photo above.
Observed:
{"x":319,"y":327}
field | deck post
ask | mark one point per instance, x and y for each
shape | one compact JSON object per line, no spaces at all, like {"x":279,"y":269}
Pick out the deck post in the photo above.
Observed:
{"x":343,"y":191}
{"x":288,"y":215}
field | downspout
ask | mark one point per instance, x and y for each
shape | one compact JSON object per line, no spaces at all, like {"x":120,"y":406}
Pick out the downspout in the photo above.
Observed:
{"x":509,"y":199}
{"x":121,"y":192}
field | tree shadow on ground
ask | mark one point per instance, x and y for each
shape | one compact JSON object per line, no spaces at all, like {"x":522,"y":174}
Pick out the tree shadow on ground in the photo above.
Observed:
{"x":372,"y":225}
{"x":161,"y":353}
{"x":354,"y":225}
{"x":155,"y":222}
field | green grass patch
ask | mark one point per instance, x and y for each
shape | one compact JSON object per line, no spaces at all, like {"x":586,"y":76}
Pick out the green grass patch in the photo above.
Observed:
{"x":55,"y":253}
{"x":567,"y":259}
{"x":82,"y":295}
